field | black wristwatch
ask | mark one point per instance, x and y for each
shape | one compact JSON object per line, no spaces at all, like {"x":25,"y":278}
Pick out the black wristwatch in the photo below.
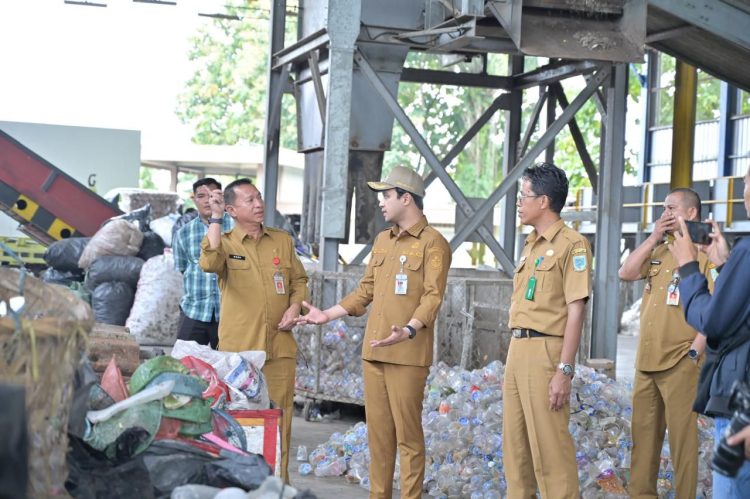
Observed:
{"x":412,"y":331}
{"x":215,"y":220}
{"x":692,"y":354}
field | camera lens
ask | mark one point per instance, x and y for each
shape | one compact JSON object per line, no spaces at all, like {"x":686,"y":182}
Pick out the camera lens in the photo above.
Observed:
{"x":727,"y":458}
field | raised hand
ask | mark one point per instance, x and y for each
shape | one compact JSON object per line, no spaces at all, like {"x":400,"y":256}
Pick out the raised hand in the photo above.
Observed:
{"x":718,"y":251}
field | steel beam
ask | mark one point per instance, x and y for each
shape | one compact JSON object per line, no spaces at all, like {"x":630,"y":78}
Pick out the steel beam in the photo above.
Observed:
{"x":549,"y":153}
{"x":580,"y":142}
{"x":511,"y":153}
{"x":552,"y":72}
{"x":716,"y":17}
{"x":533,"y":120}
{"x":727,"y":103}
{"x":357,"y":260}
{"x":669,"y":33}
{"x":415,"y":75}
{"x":320,"y":95}
{"x":606,"y":317}
{"x":513,"y":176}
{"x":432,"y":160}
{"x":275,"y":91}
{"x":343,"y":28}
{"x":298,"y":51}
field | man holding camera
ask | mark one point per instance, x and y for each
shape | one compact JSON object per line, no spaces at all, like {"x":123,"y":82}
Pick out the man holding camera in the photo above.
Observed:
{"x":724,"y":318}
{"x":667,"y":362}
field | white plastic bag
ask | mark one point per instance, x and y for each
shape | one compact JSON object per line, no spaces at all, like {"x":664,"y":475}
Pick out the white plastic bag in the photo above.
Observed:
{"x":118,"y":237}
{"x":155,"y":315}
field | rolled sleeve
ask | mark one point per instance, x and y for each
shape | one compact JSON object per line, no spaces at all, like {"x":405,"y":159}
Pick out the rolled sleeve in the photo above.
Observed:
{"x":212,"y":260}
{"x":435,"y":278}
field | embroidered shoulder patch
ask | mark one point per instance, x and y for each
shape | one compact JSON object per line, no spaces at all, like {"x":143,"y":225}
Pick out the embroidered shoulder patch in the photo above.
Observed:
{"x":578,"y":251}
{"x":436,"y":260}
{"x":579,"y":263}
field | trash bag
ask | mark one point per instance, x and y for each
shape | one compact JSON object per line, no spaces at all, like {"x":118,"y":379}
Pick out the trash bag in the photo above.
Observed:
{"x":141,"y":217}
{"x":217,"y":390}
{"x":113,"y":382}
{"x":63,"y":255}
{"x":155,"y":315}
{"x":173,"y":463}
{"x":111,"y":302}
{"x":127,"y":433}
{"x":62,"y":277}
{"x":163,"y":226}
{"x":91,"y":475}
{"x":118,"y":237}
{"x":152,"y":245}
{"x":107,"y":268}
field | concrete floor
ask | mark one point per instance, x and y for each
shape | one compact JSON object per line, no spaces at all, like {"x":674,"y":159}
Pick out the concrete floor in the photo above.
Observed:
{"x":312,"y":434}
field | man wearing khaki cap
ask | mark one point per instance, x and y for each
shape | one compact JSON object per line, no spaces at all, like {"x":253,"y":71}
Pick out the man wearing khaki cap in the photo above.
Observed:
{"x":404,"y":281}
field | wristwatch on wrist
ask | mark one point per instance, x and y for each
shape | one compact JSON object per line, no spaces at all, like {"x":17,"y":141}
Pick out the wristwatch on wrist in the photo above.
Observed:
{"x":412,"y":331}
{"x":567,"y":369}
{"x":213,"y":220}
{"x":692,"y":354}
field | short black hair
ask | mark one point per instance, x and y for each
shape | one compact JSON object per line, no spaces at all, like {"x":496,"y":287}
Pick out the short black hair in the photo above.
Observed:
{"x":417,"y":199}
{"x":229,"y":194}
{"x":548,"y":180}
{"x":205,"y":181}
{"x":690,"y":198}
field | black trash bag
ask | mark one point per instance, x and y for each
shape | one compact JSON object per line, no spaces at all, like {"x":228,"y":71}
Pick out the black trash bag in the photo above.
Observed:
{"x":64,"y":254}
{"x":111,"y":302}
{"x":14,"y":446}
{"x":141,"y":216}
{"x":152,"y":245}
{"x":114,"y":268}
{"x":84,"y":381}
{"x":91,"y":475}
{"x":182,"y":221}
{"x":173,"y":463}
{"x":61,"y":277}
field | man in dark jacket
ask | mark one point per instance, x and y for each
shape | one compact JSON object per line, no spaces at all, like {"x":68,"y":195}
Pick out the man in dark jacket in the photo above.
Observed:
{"x":724,"y":318}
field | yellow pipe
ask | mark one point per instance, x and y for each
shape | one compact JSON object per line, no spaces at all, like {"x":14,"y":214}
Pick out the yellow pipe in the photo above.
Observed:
{"x":683,"y":125}
{"x":730,"y":202}
{"x":644,"y":209}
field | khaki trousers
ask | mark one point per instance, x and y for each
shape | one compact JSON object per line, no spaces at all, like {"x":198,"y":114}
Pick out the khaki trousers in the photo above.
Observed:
{"x":279,"y":375}
{"x":664,"y":400}
{"x":393,"y":407}
{"x":538,"y":450}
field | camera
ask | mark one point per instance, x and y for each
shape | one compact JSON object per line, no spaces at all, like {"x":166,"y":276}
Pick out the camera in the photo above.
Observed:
{"x":727,"y":458}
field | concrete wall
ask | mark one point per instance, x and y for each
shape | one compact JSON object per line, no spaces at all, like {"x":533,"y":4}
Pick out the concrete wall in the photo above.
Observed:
{"x":113,"y":156}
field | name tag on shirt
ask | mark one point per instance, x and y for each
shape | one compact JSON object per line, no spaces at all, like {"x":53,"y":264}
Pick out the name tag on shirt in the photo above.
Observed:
{"x":236,"y":257}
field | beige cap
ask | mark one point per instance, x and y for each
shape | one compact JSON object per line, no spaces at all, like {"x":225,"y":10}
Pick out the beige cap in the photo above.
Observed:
{"x":403,"y":178}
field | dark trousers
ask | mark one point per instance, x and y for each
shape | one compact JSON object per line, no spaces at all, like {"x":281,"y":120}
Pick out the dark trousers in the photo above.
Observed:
{"x":205,"y":333}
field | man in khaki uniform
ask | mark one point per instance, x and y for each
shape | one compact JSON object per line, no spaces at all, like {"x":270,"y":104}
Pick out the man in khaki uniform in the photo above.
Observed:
{"x":404,"y":280}
{"x":262,"y":285}
{"x":551,"y":286}
{"x":667,"y":362}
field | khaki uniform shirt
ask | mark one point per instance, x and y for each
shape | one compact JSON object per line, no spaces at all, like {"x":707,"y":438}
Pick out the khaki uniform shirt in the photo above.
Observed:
{"x":665,"y":336}
{"x":562,"y":277}
{"x":427,"y":260}
{"x":251,"y":308}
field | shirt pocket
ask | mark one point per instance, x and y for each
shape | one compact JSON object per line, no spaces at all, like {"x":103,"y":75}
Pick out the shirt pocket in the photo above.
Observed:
{"x":376,"y":261}
{"x":414,"y":262}
{"x":517,"y":272}
{"x":239,"y":273}
{"x":547,"y":276}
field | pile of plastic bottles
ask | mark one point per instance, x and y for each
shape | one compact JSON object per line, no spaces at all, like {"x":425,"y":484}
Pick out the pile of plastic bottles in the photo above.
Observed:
{"x":462,"y":422}
{"x":340,"y":349}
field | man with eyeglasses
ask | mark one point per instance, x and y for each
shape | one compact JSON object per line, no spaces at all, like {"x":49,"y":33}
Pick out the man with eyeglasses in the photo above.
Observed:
{"x":199,"y":307}
{"x":551,"y":286}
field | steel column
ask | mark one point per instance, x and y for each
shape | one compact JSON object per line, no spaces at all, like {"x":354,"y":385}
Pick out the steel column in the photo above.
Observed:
{"x":606,"y":318}
{"x":343,"y":28}
{"x":683,"y":127}
{"x":727,"y":106}
{"x":533,"y":120}
{"x":510,"y":180}
{"x":549,"y":153}
{"x":510,"y":157}
{"x":275,"y":91}
{"x":647,"y":100}
{"x":432,"y":160}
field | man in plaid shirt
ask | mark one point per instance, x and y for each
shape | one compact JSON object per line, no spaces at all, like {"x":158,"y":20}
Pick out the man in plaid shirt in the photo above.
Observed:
{"x":199,"y":308}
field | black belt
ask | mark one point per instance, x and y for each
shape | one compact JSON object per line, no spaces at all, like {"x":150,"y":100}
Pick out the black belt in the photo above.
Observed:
{"x":526,"y":333}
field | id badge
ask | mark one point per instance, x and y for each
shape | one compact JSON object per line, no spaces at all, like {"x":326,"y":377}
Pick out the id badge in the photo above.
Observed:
{"x":278,"y":283}
{"x":401,"y":284}
{"x":673,"y":295}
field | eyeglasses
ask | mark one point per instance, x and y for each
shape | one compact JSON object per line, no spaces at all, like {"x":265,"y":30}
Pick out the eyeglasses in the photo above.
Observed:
{"x":520,"y":197}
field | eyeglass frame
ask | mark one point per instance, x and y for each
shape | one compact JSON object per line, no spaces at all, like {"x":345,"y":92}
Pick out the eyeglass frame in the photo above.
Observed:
{"x":520,"y":196}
